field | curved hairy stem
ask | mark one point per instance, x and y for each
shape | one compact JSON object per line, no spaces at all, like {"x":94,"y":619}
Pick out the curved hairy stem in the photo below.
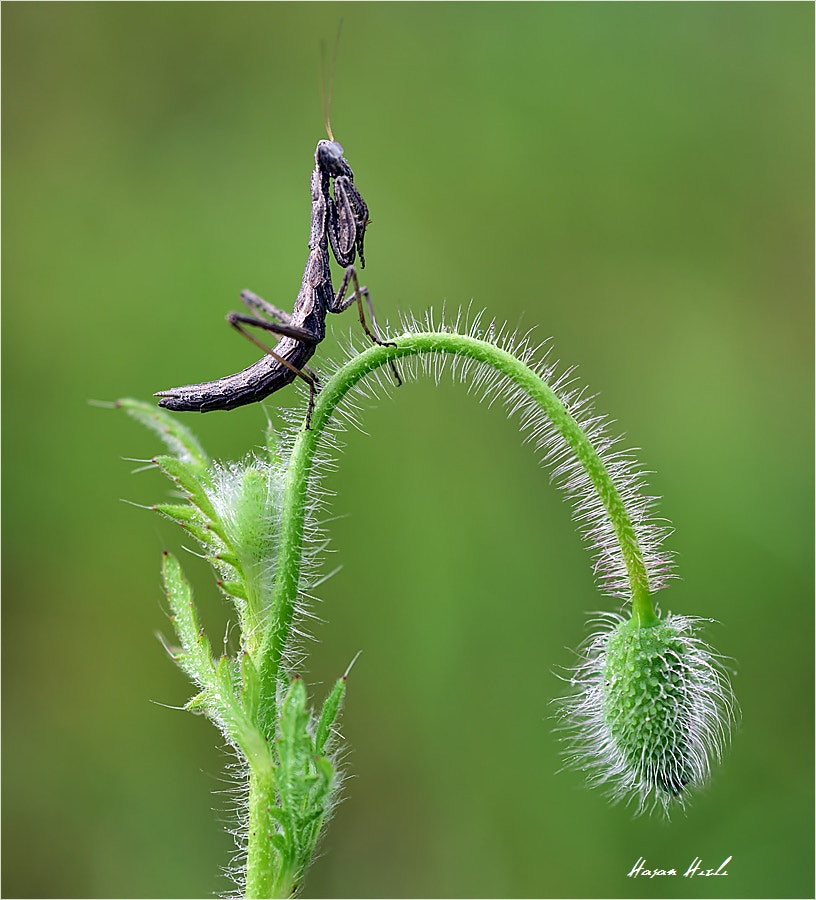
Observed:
{"x":303,"y":454}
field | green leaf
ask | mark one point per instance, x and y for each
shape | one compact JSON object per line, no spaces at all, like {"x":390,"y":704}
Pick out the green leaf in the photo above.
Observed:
{"x":196,"y":657}
{"x":250,"y":686}
{"x":193,"y":522}
{"x":273,"y":451}
{"x":181,"y":513}
{"x":177,"y":437}
{"x":234,"y":589}
{"x":294,"y":717}
{"x":279,"y":815}
{"x":281,"y":845}
{"x":223,"y":558}
{"x":191,"y":479}
{"x":199,"y":703}
{"x":238,"y":725}
{"x":325,"y":771}
{"x":331,"y":707}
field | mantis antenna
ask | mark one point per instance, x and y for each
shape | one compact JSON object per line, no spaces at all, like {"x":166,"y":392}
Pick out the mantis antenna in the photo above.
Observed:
{"x":327,"y":79}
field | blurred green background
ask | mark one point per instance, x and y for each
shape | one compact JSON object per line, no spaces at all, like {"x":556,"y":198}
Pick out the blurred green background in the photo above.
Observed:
{"x":636,"y":181}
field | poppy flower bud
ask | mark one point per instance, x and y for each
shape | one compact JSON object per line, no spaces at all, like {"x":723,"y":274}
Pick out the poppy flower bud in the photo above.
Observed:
{"x":652,"y":709}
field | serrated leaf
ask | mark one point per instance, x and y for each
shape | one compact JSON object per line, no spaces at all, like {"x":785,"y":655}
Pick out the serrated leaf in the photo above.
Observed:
{"x":311,"y":817}
{"x":276,"y":813}
{"x":198,"y":704}
{"x":293,"y":721}
{"x":250,"y":686}
{"x":272,"y":446}
{"x":196,"y":658}
{"x":178,"y":512}
{"x":205,"y":536}
{"x":328,"y":715}
{"x":191,"y":519}
{"x":281,"y":845}
{"x":238,"y":725}
{"x":234,"y":589}
{"x":178,"y":439}
{"x":223,"y":557}
{"x":325,"y":769}
{"x":189,"y":478}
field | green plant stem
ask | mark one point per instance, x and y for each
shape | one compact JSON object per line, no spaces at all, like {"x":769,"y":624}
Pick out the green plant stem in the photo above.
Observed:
{"x":261,"y":877}
{"x":332,"y":393}
{"x":294,"y":510}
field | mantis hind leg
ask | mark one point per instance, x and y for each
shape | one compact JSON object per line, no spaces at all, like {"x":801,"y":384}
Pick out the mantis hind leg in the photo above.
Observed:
{"x":284,"y":329}
{"x":252,"y":301}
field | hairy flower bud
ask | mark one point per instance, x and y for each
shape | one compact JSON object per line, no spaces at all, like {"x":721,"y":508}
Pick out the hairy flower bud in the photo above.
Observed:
{"x":652,"y":709}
